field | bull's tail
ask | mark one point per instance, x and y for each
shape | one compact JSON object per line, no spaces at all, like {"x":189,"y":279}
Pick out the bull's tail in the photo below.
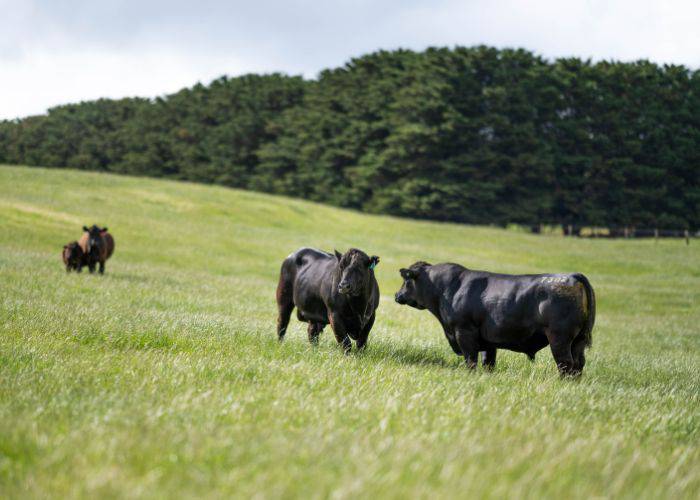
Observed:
{"x":589,"y":307}
{"x":285,"y":294}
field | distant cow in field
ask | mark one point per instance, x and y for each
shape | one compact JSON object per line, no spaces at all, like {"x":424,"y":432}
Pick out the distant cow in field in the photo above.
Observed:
{"x":325,"y":288}
{"x":97,"y":245}
{"x":73,"y":256}
{"x":482,"y":311}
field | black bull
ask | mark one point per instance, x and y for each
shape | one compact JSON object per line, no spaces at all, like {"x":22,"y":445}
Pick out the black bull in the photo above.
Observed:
{"x":482,"y":311}
{"x":326,"y":288}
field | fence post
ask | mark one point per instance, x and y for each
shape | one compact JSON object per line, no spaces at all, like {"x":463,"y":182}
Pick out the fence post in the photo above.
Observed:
{"x":687,"y":237}
{"x":656,"y":235}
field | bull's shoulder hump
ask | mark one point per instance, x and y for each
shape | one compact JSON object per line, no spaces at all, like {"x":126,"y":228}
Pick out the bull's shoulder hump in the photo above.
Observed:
{"x":447,"y":276}
{"x":447,"y":267}
{"x":447,"y":272}
{"x":311,"y":252}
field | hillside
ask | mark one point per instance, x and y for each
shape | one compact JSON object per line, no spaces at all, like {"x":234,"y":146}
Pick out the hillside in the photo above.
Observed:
{"x":475,"y":135}
{"x":163,"y":377}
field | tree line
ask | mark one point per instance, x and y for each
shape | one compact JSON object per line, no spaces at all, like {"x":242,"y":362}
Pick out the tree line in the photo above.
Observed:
{"x":476,"y":135}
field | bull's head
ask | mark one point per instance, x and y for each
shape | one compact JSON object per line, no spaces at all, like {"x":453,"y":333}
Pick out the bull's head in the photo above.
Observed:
{"x":94,"y":243}
{"x":410,"y":292}
{"x":355,"y":269}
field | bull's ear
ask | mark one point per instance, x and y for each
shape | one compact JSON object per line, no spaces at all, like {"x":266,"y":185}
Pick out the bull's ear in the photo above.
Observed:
{"x":373,"y":261}
{"x":104,"y":229}
{"x":338,"y":255}
{"x":408,"y":274}
{"x":65,"y":246}
{"x":85,"y":229}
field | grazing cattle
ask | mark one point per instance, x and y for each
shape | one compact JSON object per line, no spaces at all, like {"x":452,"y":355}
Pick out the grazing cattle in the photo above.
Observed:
{"x":97,"y":245}
{"x":482,"y":311}
{"x":73,"y":256}
{"x":326,"y":288}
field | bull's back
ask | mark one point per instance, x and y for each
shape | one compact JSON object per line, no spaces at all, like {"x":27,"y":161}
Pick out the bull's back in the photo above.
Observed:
{"x":306,"y":266}
{"x":312,"y":268}
{"x":503,"y":302}
{"x":543,"y":301}
{"x":308,"y":270}
{"x":509,"y":303}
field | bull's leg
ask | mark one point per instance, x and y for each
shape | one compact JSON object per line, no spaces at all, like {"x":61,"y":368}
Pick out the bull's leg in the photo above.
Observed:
{"x":468,"y":341}
{"x":91,"y":267}
{"x":362,"y":338}
{"x":489,"y":360}
{"x":102,"y":267}
{"x":577,"y":348}
{"x":561,"y":350}
{"x":340,"y":332}
{"x":314,"y":330}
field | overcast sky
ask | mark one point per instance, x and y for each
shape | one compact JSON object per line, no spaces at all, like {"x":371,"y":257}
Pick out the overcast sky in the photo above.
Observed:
{"x":58,"y":51}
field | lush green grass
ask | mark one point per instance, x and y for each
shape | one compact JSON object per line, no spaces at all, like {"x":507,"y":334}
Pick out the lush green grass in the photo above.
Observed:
{"x":164,"y":377}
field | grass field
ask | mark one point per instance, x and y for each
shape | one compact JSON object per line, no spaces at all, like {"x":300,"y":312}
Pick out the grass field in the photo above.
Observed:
{"x":164,"y":378}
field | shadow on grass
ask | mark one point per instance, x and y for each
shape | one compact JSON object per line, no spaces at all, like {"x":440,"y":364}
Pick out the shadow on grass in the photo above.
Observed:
{"x":381,"y":351}
{"x":409,"y":355}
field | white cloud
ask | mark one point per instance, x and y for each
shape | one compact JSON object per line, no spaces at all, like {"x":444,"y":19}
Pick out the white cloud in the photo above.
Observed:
{"x":660,"y":30}
{"x":57,"y":52}
{"x":47,"y":79}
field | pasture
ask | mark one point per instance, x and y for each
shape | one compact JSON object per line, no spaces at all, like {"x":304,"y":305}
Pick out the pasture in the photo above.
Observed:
{"x":164,"y":377}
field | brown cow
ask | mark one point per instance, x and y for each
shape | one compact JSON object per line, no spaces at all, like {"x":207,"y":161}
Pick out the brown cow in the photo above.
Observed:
{"x":98,"y":246}
{"x":73,"y":256}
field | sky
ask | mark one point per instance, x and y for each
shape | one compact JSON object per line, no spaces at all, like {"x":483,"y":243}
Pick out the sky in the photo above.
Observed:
{"x":59,"y":51}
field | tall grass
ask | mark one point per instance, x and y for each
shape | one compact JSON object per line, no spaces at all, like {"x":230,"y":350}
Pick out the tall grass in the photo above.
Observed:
{"x":163,"y":377}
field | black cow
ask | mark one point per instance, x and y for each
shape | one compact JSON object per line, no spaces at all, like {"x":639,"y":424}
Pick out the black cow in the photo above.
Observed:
{"x":326,"y":288}
{"x":482,"y":311}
